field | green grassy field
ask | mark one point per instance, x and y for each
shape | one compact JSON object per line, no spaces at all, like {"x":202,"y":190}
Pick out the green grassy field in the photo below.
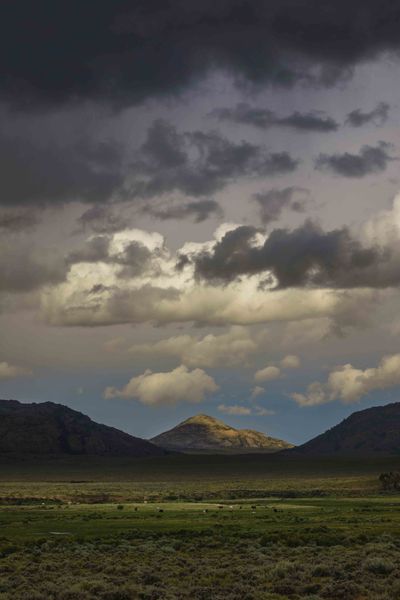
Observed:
{"x":199,"y":527}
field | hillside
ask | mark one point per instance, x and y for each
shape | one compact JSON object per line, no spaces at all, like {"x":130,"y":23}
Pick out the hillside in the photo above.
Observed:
{"x":48,"y":428}
{"x":201,"y":433}
{"x":366,"y":432}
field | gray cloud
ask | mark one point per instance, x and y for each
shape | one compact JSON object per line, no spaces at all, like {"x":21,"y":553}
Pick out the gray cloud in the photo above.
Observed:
{"x":306,"y":256}
{"x":231,"y":348}
{"x":311,"y":121}
{"x":378,"y":116}
{"x":101,"y":219}
{"x":199,"y":163}
{"x":273,"y":202}
{"x":199,"y":210}
{"x":22,"y":269}
{"x":244,"y":113}
{"x":126,"y":53}
{"x":370,"y":160}
{"x":125,"y":306}
{"x":39,"y":168}
{"x":36,"y":168}
{"x":94,"y":250}
{"x":134,"y":257}
{"x":16,"y":220}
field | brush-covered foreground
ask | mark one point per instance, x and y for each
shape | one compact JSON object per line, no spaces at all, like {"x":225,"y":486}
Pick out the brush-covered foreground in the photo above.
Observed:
{"x":306,"y":532}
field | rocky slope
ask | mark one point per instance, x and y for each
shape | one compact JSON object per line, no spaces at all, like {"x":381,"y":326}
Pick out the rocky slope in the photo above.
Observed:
{"x":201,"y":432}
{"x":366,"y":432}
{"x":48,"y":428}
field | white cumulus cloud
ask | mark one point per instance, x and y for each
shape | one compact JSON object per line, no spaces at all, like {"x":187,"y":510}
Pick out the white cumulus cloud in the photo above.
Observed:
{"x":166,"y":388}
{"x":234,"y":409}
{"x":290,"y":362}
{"x":348,"y":384}
{"x":257,"y":391}
{"x":268,"y":374}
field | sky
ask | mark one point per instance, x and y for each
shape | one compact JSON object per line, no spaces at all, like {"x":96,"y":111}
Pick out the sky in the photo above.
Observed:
{"x":200,"y":210}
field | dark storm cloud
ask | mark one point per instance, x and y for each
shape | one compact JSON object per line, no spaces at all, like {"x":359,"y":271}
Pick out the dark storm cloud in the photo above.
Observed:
{"x":273,"y":202}
{"x":306,"y":256}
{"x":124,"y":52}
{"x":370,"y":160}
{"x":40,"y":170}
{"x":102,"y":219}
{"x":378,"y":116}
{"x":41,"y":165}
{"x":164,"y":145}
{"x":311,"y":121}
{"x":199,"y":211}
{"x":264,"y":119}
{"x":198,"y":163}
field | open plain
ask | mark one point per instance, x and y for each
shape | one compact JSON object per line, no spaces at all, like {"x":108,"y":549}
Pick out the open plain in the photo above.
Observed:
{"x":250,"y":526}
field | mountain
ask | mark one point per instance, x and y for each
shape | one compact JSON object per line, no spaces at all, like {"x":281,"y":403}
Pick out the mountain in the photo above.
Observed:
{"x":202,"y":432}
{"x":366,"y":432}
{"x":48,"y":428}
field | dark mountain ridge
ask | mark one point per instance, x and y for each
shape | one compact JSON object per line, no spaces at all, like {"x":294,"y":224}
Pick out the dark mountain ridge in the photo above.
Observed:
{"x":366,"y":432}
{"x":48,"y":428}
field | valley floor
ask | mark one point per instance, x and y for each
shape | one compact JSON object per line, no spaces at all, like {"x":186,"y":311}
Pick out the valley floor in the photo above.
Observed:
{"x":299,"y":530}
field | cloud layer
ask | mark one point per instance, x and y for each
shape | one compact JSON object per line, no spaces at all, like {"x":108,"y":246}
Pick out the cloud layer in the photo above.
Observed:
{"x":116,"y":56}
{"x":44,"y":162}
{"x":378,"y":116}
{"x":301,"y":257}
{"x":243,"y":113}
{"x":369,"y":161}
{"x":273,"y":202}
{"x":198,"y":163}
{"x":241,"y":277}
{"x":229,"y":349}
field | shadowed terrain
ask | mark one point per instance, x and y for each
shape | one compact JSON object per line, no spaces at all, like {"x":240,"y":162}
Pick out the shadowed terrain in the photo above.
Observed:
{"x":48,"y":428}
{"x":366,"y":432}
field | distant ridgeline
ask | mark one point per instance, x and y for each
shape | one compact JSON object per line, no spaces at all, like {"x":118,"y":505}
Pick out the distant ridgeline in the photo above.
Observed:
{"x":48,"y":428}
{"x":53,"y":429}
{"x":366,"y":432}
